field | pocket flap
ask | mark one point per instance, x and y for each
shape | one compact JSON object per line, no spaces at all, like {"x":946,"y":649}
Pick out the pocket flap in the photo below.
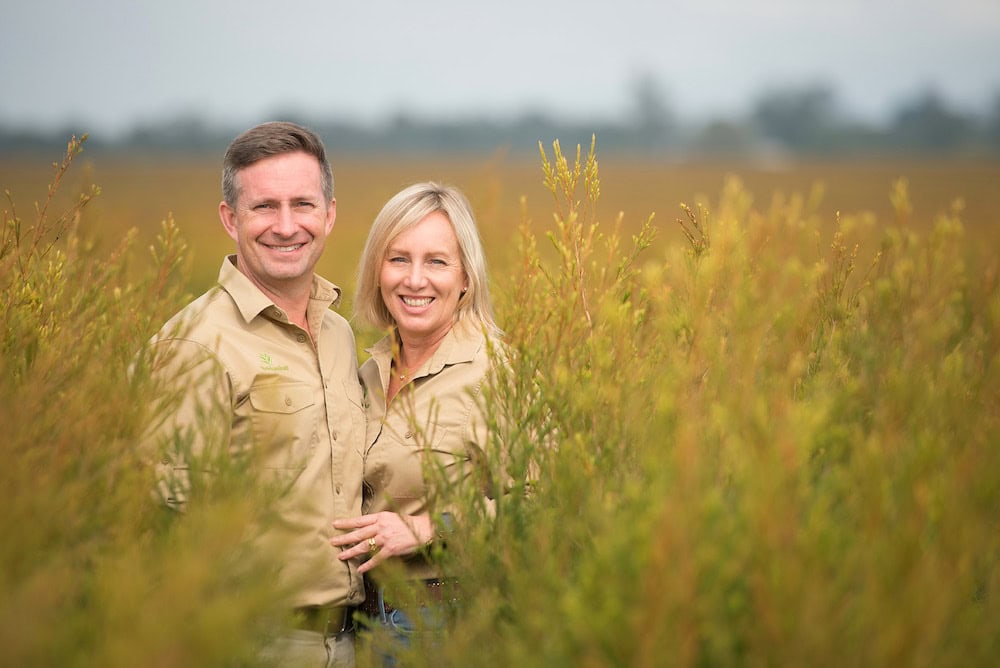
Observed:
{"x":281,"y":398}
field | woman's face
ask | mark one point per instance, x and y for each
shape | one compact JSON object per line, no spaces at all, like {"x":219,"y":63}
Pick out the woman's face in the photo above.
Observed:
{"x":422,"y":278}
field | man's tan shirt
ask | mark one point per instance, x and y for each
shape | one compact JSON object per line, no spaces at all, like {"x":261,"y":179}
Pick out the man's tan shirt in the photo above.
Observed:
{"x":294,"y":406}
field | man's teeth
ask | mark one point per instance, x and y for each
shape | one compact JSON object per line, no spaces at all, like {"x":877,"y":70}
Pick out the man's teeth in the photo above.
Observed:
{"x":410,"y":301}
{"x":286,"y":249}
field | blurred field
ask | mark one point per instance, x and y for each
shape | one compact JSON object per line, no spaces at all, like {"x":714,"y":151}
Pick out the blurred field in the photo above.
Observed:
{"x":141,"y":192}
{"x":773,"y":441}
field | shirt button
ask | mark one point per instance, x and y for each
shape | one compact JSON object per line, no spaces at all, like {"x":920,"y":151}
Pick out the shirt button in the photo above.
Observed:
{"x":301,"y":338}
{"x":288,"y":401}
{"x":338,"y":489}
{"x":164,"y":461}
{"x":335,"y":436}
{"x":408,"y":434}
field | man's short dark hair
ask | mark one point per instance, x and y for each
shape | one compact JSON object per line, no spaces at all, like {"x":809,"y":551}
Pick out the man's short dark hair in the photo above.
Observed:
{"x":266,"y":140}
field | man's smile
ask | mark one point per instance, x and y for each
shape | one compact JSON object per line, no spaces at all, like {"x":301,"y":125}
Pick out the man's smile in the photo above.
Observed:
{"x":284,"y":249}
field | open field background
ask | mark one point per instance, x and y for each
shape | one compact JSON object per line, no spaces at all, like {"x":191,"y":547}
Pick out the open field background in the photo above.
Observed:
{"x":141,"y":192}
{"x":768,"y":436}
{"x":763,"y":431}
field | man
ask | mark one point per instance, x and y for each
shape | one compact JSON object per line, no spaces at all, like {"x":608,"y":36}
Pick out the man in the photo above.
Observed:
{"x":263,"y":348}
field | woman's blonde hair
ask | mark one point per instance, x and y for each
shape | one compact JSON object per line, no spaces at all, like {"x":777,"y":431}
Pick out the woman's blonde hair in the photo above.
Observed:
{"x":406,"y":209}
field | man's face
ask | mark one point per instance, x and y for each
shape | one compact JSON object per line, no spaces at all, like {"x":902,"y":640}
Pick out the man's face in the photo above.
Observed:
{"x":280,"y":222}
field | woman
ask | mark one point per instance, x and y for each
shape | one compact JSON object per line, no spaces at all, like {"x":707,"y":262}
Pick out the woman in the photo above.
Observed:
{"x":422,"y":276}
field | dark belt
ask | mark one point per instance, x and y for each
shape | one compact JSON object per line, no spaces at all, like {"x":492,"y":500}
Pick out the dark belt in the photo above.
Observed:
{"x":437,"y":591}
{"x":328,"y":621}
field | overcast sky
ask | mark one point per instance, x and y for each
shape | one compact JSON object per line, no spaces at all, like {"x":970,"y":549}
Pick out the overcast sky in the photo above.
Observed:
{"x":108,"y":64}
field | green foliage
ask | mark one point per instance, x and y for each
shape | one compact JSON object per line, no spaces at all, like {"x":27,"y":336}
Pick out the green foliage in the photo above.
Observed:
{"x":775,"y":446}
{"x":93,"y":570}
{"x":763,"y":449}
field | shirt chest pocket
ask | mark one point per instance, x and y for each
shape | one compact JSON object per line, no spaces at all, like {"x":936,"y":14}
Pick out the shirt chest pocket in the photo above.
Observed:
{"x":438,"y":429}
{"x":283,"y":424}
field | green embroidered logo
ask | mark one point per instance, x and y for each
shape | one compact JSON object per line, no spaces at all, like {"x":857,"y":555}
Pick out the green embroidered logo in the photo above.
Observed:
{"x":267,"y":364}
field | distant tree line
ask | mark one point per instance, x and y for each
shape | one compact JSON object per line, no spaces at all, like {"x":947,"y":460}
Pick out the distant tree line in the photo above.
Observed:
{"x":784,"y":122}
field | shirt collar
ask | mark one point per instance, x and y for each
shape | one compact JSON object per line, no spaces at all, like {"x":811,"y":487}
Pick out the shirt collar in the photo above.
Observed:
{"x":251,"y":302}
{"x":459,"y":345}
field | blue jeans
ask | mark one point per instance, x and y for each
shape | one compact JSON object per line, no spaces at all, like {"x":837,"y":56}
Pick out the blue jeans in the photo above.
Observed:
{"x":426,"y":621}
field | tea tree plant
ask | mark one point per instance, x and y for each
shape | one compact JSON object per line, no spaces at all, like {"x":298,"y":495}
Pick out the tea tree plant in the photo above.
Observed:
{"x":774,"y":443}
{"x":93,"y":570}
{"x":746,"y":451}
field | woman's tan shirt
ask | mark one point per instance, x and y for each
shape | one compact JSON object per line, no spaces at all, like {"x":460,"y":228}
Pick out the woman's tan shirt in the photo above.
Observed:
{"x":436,"y":414}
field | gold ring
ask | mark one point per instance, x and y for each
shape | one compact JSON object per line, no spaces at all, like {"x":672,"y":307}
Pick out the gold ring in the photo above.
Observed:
{"x":372,"y":547}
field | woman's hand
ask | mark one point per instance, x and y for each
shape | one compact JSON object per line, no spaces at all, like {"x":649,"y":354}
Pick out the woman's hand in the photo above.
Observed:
{"x":381,"y":535}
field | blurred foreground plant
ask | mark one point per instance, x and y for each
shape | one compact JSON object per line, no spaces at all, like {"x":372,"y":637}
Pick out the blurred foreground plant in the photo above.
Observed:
{"x":93,"y":571}
{"x":770,"y":447}
{"x":748,"y":451}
